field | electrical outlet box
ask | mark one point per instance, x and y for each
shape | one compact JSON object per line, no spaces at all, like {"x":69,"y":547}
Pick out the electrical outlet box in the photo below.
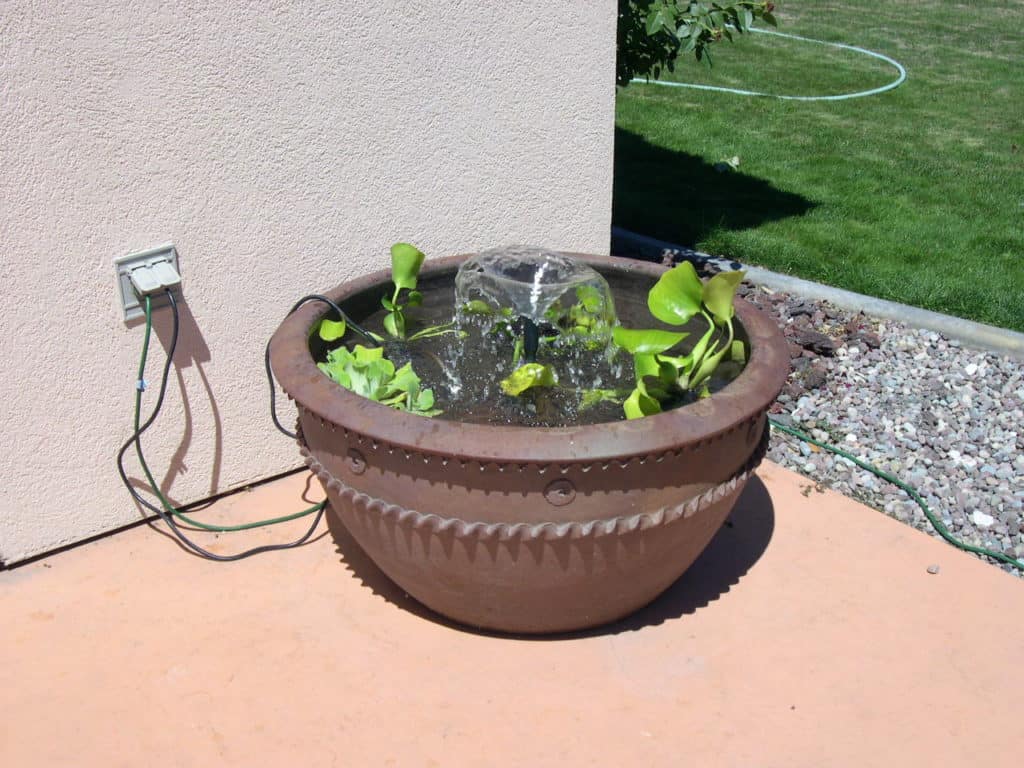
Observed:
{"x":157,"y":268}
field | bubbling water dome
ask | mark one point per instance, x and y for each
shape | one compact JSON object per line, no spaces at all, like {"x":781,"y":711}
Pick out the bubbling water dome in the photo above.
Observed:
{"x":535,"y":284}
{"x":521,"y":304}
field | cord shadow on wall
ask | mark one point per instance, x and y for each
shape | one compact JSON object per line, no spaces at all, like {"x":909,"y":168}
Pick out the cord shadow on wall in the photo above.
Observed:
{"x":191,"y":350}
{"x":682,"y":198}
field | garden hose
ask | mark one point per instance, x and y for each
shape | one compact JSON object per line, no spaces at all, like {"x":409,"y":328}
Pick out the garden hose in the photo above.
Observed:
{"x":906,"y":488}
{"x":837,"y":97}
{"x":166,"y":511}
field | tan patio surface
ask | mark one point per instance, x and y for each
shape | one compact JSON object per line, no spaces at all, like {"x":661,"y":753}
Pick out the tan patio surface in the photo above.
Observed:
{"x":809,"y":634}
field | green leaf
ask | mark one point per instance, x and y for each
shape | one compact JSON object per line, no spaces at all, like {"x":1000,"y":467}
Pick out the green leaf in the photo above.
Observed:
{"x":367,"y":372}
{"x":526,"y":377}
{"x":394,"y":324}
{"x":652,"y":341}
{"x":590,"y":298}
{"x":718,"y":294}
{"x":676,"y":297}
{"x":682,"y":365}
{"x":640,"y":404}
{"x":387,"y":303}
{"x":406,"y":261}
{"x":707,"y":367}
{"x":434,"y":330}
{"x":738,"y":351}
{"x":701,"y":346}
{"x":414,"y":299}
{"x":337,"y":373}
{"x":477,"y":307}
{"x":404,"y":380}
{"x":746,"y":19}
{"x":331,"y":330}
{"x":592,"y":397}
{"x":367,"y":354}
{"x":645,"y":365}
{"x":425,"y":400}
{"x":768,"y":17}
{"x":667,"y":372}
{"x":657,"y":20}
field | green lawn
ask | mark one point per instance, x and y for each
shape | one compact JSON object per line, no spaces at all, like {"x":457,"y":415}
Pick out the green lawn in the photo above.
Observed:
{"x":915,"y":195}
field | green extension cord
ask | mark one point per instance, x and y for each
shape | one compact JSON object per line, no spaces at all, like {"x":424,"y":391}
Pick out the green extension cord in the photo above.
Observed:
{"x":908,"y":489}
{"x":170,"y":508}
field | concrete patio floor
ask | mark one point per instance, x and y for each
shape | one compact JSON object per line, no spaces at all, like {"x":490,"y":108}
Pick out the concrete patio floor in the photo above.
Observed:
{"x":808,"y":634}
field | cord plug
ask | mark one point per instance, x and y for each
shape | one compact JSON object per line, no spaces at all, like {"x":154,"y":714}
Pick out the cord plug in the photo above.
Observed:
{"x":166,"y":274}
{"x":154,"y":277}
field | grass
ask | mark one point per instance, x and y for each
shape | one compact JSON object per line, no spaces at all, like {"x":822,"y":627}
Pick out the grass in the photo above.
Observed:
{"x":915,"y":195}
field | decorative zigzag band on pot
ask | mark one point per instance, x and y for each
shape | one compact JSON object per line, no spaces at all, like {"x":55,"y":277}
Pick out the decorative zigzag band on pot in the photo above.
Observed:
{"x":549,"y":531}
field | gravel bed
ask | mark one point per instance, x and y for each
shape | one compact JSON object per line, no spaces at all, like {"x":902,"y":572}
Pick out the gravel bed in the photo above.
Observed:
{"x":946,"y":419}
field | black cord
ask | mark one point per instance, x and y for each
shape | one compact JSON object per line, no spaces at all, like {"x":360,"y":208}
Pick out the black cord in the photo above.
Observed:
{"x":266,"y":354}
{"x":136,"y":439}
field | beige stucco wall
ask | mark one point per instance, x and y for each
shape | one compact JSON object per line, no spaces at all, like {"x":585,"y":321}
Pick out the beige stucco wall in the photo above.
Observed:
{"x":282,"y":147}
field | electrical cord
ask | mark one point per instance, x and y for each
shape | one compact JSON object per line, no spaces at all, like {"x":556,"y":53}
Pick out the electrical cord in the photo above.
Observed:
{"x":266,"y":354}
{"x":906,"y":488}
{"x":166,"y":511}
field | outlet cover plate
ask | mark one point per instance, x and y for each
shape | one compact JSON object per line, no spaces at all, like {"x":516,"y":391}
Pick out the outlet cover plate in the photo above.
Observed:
{"x":125,"y":264}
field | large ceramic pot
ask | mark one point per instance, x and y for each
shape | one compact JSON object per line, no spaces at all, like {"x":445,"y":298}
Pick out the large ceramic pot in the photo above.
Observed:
{"x":530,"y":529}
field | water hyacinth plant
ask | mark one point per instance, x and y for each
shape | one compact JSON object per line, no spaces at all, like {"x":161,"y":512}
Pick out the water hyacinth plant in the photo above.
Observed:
{"x":677,"y":297}
{"x":666,"y":373}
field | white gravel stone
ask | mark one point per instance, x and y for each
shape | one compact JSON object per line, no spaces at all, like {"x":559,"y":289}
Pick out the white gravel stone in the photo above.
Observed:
{"x":944,"y":418}
{"x":982,"y":520}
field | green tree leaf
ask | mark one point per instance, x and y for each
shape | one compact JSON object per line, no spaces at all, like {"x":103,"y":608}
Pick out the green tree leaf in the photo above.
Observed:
{"x":657,"y":20}
{"x":676,"y":297}
{"x":719,"y":292}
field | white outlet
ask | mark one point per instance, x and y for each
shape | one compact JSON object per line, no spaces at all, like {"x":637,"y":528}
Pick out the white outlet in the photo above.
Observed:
{"x":159,"y":260}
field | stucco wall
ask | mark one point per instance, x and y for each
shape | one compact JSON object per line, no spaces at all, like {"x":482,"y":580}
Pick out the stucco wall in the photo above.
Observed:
{"x":282,"y":147}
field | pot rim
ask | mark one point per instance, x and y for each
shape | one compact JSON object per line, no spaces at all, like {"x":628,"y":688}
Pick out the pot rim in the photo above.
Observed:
{"x":742,"y":401}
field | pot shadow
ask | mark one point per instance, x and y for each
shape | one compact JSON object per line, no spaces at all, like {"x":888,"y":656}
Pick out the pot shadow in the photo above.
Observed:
{"x":734,"y":549}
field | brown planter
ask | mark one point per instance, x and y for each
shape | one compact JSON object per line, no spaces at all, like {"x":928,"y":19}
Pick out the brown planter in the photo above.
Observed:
{"x":530,"y":529}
